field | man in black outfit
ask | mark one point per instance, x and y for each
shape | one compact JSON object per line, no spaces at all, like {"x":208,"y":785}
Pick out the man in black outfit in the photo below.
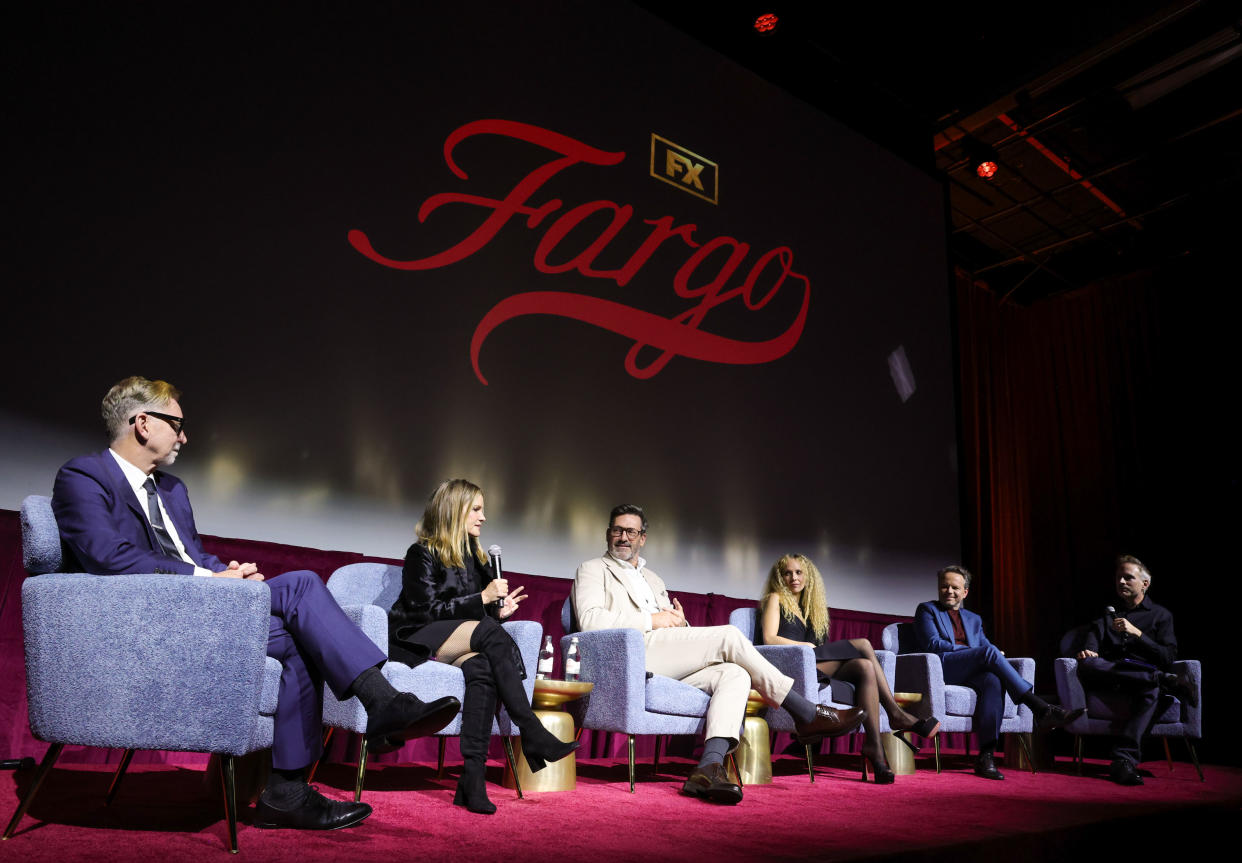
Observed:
{"x":1127,"y":651}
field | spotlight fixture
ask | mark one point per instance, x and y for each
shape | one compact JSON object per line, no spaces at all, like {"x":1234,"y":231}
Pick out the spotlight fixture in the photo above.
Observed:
{"x":766,"y":23}
{"x":982,"y":158}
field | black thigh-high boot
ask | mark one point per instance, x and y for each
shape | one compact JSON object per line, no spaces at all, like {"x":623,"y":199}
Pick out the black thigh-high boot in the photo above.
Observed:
{"x":539,"y":745}
{"x":477,"y":713}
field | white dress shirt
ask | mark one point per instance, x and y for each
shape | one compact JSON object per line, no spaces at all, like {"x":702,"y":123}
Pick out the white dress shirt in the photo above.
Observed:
{"x":639,"y":587}
{"x":136,"y":478}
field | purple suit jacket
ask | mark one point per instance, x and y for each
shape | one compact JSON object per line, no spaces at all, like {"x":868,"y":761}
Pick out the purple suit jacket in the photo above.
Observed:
{"x":103,"y":525}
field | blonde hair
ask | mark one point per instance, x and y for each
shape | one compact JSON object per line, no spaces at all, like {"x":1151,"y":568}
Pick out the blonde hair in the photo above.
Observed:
{"x":811,"y":606}
{"x":133,"y":396}
{"x":1123,"y":559}
{"x":443,"y":525}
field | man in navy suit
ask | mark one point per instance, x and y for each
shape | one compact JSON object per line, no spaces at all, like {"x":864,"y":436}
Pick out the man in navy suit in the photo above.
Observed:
{"x":969,"y":659}
{"x":118,"y":513}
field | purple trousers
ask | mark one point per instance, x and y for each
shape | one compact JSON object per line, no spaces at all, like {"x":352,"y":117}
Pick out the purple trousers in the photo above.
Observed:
{"x":315,"y":643}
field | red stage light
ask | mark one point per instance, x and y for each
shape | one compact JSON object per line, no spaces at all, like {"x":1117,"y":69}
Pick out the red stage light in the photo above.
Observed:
{"x":986,"y":170}
{"x":766,"y":23}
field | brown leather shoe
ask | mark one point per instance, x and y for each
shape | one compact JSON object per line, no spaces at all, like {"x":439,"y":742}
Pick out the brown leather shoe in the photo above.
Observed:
{"x":828,"y":722}
{"x":712,"y":783}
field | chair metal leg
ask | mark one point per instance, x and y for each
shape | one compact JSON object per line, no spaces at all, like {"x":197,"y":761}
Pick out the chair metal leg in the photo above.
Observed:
{"x":1025,"y":739}
{"x":863,"y":759}
{"x":936,"y":740}
{"x":1078,"y":752}
{"x":45,"y":767}
{"x":440,"y":758}
{"x":655,"y":765}
{"x":517,"y":783}
{"x":327,"y":737}
{"x":1168,"y":756}
{"x":1194,"y":759}
{"x":810,"y":762}
{"x":228,"y":785}
{"x":631,"y":748}
{"x":126,"y":757}
{"x":363,"y":751}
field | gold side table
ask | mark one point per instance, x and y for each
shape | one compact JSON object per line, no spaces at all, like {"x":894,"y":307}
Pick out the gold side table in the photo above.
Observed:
{"x":753,"y":755}
{"x":899,"y":756}
{"x":559,"y":775}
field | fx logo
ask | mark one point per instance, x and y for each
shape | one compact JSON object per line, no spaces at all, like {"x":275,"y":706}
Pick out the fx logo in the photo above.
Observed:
{"x":688,"y":171}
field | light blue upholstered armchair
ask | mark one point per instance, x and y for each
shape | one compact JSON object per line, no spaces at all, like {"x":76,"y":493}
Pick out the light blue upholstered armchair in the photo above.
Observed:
{"x":625,"y":700}
{"x":953,"y":705}
{"x":1104,"y":710}
{"x":366,"y":591}
{"x":142,"y":662}
{"x":799,"y":663}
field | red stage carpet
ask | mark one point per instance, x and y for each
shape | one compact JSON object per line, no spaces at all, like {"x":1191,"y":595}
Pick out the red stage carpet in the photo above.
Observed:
{"x":162,"y":813}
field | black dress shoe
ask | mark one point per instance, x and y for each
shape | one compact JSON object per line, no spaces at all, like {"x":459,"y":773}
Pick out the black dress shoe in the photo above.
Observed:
{"x":1058,"y":716}
{"x":828,"y":722}
{"x":712,"y":783}
{"x":1123,"y":773}
{"x":304,"y":808}
{"x":985,"y":767}
{"x":405,"y":717}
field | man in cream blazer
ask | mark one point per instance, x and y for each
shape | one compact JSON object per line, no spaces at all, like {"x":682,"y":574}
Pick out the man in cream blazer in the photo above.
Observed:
{"x":618,"y":591}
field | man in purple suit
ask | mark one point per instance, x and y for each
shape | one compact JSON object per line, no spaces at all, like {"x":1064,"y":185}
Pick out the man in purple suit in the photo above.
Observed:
{"x":118,"y":513}
{"x":969,"y":659}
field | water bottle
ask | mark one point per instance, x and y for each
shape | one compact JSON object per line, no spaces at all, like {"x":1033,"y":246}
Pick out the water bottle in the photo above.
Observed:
{"x":572,"y":660}
{"x":544,"y":670}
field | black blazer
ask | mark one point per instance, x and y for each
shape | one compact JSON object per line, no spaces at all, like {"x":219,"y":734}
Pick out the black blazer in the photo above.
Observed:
{"x":430,"y":593}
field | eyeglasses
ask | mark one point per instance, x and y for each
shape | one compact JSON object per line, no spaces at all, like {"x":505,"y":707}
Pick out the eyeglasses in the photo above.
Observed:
{"x":177,"y":423}
{"x":628,"y":532}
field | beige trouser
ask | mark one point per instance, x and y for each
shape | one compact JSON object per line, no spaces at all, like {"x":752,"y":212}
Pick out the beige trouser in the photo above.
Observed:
{"x":720,"y":661}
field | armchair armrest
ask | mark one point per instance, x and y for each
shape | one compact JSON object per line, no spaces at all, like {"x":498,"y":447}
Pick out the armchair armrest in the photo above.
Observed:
{"x":888,"y":664}
{"x":145,"y":661}
{"x":922,"y":672}
{"x":1025,"y":666}
{"x":1192,"y":716}
{"x":796,"y":661}
{"x":615,"y":660}
{"x":372,"y":620}
{"x":527,"y":634}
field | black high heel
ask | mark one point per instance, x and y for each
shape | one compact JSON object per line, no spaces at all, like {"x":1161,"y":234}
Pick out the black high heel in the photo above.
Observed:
{"x":472,"y":789}
{"x":476,"y":733}
{"x":927,"y":728}
{"x":547,"y":748}
{"x":882,"y":774}
{"x":539,"y":745}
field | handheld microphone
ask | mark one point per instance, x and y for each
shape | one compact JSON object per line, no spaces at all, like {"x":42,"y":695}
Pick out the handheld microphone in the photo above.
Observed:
{"x":1111,"y":614}
{"x":493,"y":552}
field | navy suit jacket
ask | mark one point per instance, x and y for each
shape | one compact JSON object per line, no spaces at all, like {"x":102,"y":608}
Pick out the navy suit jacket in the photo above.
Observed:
{"x":102,"y":523}
{"x":934,"y":630}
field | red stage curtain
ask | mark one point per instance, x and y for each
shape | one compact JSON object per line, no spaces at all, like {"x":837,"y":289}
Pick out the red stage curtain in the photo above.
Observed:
{"x":1056,"y":405}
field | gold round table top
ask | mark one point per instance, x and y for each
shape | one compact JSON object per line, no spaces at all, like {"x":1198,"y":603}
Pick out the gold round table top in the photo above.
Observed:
{"x":754,"y":703}
{"x":907,"y":697}
{"x":554,"y":693}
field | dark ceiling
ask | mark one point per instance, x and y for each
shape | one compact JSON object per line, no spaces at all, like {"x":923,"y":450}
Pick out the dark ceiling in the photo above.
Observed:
{"x":1116,"y":126}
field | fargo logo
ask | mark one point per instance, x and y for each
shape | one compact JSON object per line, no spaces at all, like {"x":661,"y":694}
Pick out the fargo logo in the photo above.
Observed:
{"x":688,"y":171}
